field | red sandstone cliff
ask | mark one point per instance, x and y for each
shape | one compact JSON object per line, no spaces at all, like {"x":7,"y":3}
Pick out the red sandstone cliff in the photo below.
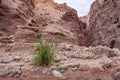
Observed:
{"x":31,"y":16}
{"x":104,"y":23}
{"x":15,"y":15}
{"x":99,"y":27}
{"x":59,"y":21}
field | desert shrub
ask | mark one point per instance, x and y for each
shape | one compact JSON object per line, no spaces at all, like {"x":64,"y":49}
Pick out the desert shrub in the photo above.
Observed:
{"x":44,"y":54}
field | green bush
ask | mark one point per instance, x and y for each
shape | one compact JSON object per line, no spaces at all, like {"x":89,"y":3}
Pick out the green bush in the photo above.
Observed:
{"x":45,"y":54}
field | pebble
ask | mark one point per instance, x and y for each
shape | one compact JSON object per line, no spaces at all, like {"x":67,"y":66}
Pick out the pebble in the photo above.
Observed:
{"x":62,"y":68}
{"x":57,"y":58}
{"x":46,"y":71}
{"x":68,"y":47}
{"x":74,"y":69}
{"x":57,"y":73}
{"x":17,"y":58}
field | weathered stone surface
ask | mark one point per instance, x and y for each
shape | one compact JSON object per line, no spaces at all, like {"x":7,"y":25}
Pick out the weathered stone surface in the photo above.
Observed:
{"x":104,"y":23}
{"x":57,"y":58}
{"x":15,"y":14}
{"x":57,"y":73}
{"x":24,"y":35}
{"x":59,"y":21}
{"x":117,"y":76}
{"x":84,"y":68}
{"x":11,"y":72}
{"x":34,"y":15}
{"x":47,"y":71}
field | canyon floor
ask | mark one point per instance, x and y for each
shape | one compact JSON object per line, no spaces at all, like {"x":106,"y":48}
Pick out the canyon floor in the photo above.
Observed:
{"x":72,"y":62}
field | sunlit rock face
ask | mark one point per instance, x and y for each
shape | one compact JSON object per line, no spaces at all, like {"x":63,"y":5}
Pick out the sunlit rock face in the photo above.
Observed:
{"x":45,"y":1}
{"x":15,"y":14}
{"x":20,"y":21}
{"x":58,"y":21}
{"x":104,"y":23}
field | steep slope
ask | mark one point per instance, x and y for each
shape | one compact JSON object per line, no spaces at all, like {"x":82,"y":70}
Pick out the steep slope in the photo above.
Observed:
{"x":54,"y":20}
{"x":58,"y":21}
{"x":104,"y":23}
{"x":15,"y":15}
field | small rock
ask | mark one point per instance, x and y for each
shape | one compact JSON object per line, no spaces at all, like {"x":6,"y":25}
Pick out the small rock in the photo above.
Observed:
{"x":74,"y":69}
{"x":57,"y":58}
{"x":67,"y":47}
{"x":17,"y":58}
{"x":57,"y":73}
{"x":117,"y":76}
{"x":84,"y":68}
{"x":72,"y":65}
{"x":19,"y":64}
{"x":47,"y":71}
{"x":62,"y":68}
{"x":53,"y":67}
{"x":11,"y":72}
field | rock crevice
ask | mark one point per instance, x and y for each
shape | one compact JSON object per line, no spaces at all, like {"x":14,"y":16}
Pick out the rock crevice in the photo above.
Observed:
{"x":104,"y":21}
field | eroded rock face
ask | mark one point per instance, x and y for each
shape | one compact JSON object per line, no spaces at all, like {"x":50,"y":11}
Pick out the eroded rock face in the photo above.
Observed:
{"x":75,"y":25}
{"x":104,"y":23}
{"x":54,"y":20}
{"x":15,"y":14}
{"x":59,"y":21}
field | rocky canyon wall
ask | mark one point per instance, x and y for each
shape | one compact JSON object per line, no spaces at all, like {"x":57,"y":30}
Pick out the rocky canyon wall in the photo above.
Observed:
{"x":20,"y":21}
{"x":104,"y":23}
{"x":58,"y":21}
{"x":14,"y":16}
